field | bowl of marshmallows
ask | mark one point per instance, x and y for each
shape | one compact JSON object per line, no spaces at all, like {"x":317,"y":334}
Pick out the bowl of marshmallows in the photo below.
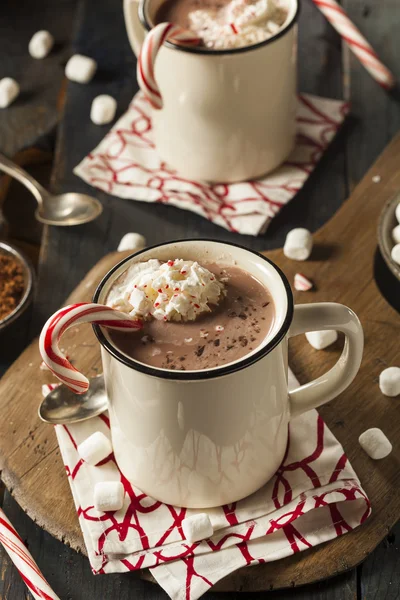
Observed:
{"x":389,"y":235}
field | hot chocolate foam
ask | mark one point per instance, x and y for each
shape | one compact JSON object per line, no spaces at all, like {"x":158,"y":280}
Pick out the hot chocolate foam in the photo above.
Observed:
{"x":177,"y":290}
{"x":226,"y":23}
{"x":238,"y":325}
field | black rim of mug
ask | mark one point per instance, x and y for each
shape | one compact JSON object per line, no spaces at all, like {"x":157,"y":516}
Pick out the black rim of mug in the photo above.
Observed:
{"x":201,"y":374}
{"x":209,"y":51}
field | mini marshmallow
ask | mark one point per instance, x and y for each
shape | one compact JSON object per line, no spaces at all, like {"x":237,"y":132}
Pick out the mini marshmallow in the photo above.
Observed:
{"x":95,"y":448}
{"x":376,"y":179}
{"x":298,"y":244}
{"x":80,"y":68}
{"x":396,"y":234}
{"x":197,"y":527}
{"x":395,"y":253}
{"x":9,"y":90}
{"x":389,"y":381}
{"x":321,"y":339}
{"x":41,"y":43}
{"x":108,"y":495}
{"x":301,"y":283}
{"x":103,"y":109}
{"x":131,"y":241}
{"x":375,"y":443}
{"x":398,"y":212}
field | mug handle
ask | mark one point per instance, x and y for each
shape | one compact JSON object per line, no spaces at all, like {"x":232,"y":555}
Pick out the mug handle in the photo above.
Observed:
{"x":318,"y":317}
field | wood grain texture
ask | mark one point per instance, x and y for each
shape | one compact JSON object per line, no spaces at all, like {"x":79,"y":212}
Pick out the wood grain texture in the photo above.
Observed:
{"x":34,"y":113}
{"x":29,"y":456}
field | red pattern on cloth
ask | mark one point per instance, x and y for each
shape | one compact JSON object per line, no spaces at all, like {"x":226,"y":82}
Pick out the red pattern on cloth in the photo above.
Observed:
{"x":126,"y":164}
{"x":314,"y":496}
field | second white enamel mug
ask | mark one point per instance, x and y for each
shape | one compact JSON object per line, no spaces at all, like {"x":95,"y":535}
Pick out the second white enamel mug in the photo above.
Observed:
{"x":228,"y":115}
{"x":206,"y":438}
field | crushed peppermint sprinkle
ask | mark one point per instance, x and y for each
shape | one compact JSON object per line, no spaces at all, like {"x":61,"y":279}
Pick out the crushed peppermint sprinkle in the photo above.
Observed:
{"x":219,"y":328}
{"x":176,"y":290}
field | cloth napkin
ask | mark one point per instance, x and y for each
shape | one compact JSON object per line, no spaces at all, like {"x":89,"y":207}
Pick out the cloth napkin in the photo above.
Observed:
{"x":126,"y":164}
{"x":315,"y":496}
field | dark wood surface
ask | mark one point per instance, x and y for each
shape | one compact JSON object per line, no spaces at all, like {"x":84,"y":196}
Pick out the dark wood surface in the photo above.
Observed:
{"x":375,"y":119}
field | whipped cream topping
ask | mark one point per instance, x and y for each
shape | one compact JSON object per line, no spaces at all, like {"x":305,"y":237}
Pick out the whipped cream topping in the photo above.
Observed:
{"x":239,"y":23}
{"x":177,"y":290}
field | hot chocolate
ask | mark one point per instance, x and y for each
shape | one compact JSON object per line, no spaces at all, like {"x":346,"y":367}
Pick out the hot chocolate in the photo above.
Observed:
{"x":225,"y":24}
{"x":222,"y":333}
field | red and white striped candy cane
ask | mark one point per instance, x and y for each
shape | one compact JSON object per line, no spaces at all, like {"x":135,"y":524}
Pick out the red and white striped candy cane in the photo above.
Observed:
{"x":356,"y":42}
{"x":148,"y":53}
{"x":22,"y":559}
{"x":75,"y":314}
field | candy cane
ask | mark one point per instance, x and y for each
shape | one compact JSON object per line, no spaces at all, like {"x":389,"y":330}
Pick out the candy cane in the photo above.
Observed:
{"x":22,"y":559}
{"x":356,"y":42}
{"x":151,"y":45}
{"x":75,"y":314}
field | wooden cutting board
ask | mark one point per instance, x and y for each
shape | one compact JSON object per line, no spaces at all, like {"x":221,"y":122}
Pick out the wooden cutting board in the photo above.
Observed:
{"x":342,"y":267}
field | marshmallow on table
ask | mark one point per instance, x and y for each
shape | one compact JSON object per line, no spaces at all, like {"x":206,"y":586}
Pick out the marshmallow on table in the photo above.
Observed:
{"x":375,"y":443}
{"x":396,"y":234}
{"x":108,"y":495}
{"x":398,"y":212}
{"x":389,"y":381}
{"x":80,"y":68}
{"x":9,"y":90}
{"x":197,"y":527}
{"x":395,"y":254}
{"x":103,"y":109}
{"x":298,"y":244}
{"x":131,"y":241}
{"x":301,"y":283}
{"x":41,"y":43}
{"x":321,"y":339}
{"x":95,"y":448}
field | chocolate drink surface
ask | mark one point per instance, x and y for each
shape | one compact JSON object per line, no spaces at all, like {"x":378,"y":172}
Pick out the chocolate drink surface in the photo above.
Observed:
{"x":223,"y":24}
{"x":235,"y":327}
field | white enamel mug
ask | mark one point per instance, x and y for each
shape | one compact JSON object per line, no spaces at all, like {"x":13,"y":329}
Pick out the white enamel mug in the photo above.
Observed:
{"x":228,"y":115}
{"x":206,"y":438}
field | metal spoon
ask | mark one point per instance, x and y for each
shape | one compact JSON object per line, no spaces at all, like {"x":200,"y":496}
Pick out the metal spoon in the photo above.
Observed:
{"x":61,"y":406}
{"x":63,"y":209}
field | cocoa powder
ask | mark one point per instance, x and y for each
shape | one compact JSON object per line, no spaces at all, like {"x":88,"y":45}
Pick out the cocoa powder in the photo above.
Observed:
{"x":11,"y":284}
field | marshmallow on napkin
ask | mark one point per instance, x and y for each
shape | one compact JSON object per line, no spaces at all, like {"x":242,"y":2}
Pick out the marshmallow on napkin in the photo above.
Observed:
{"x":277,"y":521}
{"x":126,"y":164}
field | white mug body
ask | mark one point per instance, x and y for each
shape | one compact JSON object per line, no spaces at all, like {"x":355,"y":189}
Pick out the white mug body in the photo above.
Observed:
{"x":211,"y":437}
{"x":199,"y":443}
{"x":201,"y":439}
{"x":227,"y":115}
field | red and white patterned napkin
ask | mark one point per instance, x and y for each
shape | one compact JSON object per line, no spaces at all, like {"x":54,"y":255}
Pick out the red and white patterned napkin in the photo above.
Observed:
{"x":126,"y":164}
{"x":315,"y":496}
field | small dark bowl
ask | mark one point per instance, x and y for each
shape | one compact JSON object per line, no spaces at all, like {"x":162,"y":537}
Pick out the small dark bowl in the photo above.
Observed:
{"x":29,"y":278}
{"x":387,"y":222}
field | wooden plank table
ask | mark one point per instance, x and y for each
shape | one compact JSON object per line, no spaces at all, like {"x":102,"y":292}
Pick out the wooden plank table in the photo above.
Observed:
{"x":326,"y":69}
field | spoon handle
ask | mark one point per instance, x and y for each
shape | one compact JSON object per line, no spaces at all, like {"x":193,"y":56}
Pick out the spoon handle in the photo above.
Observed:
{"x":19,"y":173}
{"x":66,"y":317}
